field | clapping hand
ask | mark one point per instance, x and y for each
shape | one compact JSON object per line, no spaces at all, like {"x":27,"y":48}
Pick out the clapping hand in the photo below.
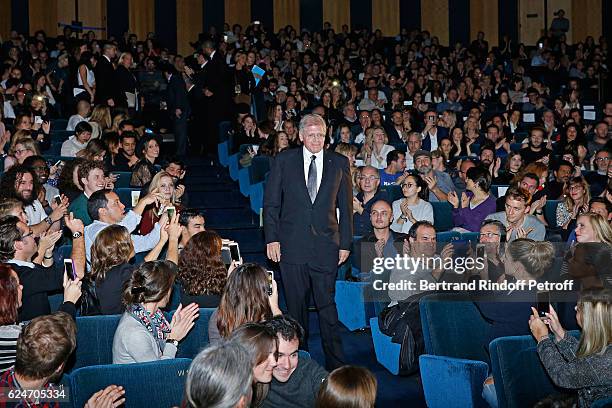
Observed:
{"x":109,"y":397}
{"x":183,"y":321}
{"x":453,"y":199}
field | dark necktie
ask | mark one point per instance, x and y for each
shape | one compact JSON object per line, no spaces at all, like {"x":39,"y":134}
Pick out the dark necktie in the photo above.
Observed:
{"x":312,"y":179}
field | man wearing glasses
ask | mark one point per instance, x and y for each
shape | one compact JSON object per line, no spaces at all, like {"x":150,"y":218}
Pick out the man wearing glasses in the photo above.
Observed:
{"x":492,"y":234}
{"x":598,"y":180}
{"x":369,"y":181}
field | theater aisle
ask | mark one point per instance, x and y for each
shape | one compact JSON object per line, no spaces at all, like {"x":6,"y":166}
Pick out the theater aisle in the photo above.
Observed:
{"x":228,"y":213}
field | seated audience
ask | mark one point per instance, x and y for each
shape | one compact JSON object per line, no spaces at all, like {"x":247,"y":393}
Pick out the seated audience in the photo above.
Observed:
{"x":396,"y":164}
{"x":296,"y":379}
{"x":516,"y":218}
{"x":492,"y":235}
{"x":513,"y":166}
{"x":47,"y":192}
{"x":126,"y":159}
{"x":220,"y":376}
{"x":575,"y":201}
{"x":562,"y":173}
{"x":14,"y":207}
{"x":83,"y":109}
{"x":143,"y":333}
{"x":22,"y":147}
{"x":375,"y":149}
{"x":438,"y":183}
{"x":245,"y":299}
{"x":413,"y":207}
{"x":202,"y":274}
{"x":598,"y":178}
{"x":475,"y":204}
{"x":536,"y":149}
{"x":43,"y":348}
{"x":78,"y":141}
{"x":39,"y":276}
{"x":578,"y":364}
{"x":96,"y":150}
{"x":261,"y":345}
{"x":348,"y":387}
{"x":68,"y":179}
{"x":91,"y":179}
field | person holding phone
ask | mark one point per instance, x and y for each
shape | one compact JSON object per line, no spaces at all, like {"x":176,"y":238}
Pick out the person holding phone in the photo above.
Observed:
{"x":162,"y":184}
{"x":432,"y":134}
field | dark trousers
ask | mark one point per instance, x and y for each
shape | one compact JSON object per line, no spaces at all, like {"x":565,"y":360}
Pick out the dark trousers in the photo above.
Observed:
{"x":180,"y":135}
{"x":299,"y":281}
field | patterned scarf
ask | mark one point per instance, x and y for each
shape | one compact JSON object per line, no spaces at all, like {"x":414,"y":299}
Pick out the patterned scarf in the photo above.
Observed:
{"x":156,"y":324}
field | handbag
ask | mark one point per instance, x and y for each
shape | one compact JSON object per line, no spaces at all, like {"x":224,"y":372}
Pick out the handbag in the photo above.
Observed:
{"x":89,"y":304}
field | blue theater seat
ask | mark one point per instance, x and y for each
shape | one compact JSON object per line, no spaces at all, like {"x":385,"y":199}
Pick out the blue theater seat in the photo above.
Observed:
{"x":394,"y":192}
{"x":94,"y":341}
{"x":197,"y":338}
{"x":443,"y":215}
{"x":125,"y":195}
{"x":154,"y":384}
{"x":447,"y":236}
{"x":124,"y":179}
{"x":353,"y":311}
{"x":387,"y":352}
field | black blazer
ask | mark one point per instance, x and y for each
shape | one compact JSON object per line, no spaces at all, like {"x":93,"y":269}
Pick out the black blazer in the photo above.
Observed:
{"x":106,"y":82}
{"x":309,"y":232}
{"x":177,"y":95}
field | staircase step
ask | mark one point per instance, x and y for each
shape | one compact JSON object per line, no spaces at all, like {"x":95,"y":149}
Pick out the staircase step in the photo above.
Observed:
{"x":230,"y":217}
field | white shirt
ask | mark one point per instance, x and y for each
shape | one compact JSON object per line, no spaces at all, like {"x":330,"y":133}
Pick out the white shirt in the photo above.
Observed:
{"x":433,"y":138}
{"x":35,"y":212}
{"x":318,"y":162}
{"x":72,"y":146}
{"x":74,"y":120}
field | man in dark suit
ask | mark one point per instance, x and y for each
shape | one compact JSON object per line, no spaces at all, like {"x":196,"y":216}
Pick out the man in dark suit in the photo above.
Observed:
{"x":217,"y":88}
{"x":432,"y":134}
{"x":106,"y":81}
{"x":178,"y":107}
{"x":304,"y":232}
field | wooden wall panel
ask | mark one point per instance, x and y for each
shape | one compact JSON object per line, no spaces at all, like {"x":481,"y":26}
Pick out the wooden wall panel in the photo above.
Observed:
{"x":386,"y":16}
{"x":337,"y":12}
{"x":484,"y":17}
{"x":189,"y":23}
{"x":43,"y":16}
{"x":238,"y":12}
{"x":142,"y":17}
{"x":531,"y":21}
{"x":65,"y":13}
{"x":434,"y":18}
{"x":586,"y":19}
{"x":5,"y":19}
{"x":93,"y":14}
{"x":566,"y":5}
{"x":286,"y":12}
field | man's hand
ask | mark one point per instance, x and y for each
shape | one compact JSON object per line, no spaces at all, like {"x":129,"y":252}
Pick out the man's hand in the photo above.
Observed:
{"x":179,"y":191}
{"x":208,"y":93}
{"x":465,"y":200}
{"x":59,"y":210}
{"x":343,"y":255}
{"x":453,"y":199}
{"x":431,"y":181}
{"x":178,"y":113}
{"x":379,"y":247}
{"x":357,"y":207}
{"x":273,"y":251}
{"x":48,"y":240}
{"x":74,"y":224}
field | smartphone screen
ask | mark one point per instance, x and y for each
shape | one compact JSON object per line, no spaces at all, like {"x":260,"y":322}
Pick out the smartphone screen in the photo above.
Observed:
{"x":270,"y":280}
{"x":171,"y":211}
{"x":234,"y":251}
{"x":480,"y":251}
{"x":543,"y":303}
{"x":69,"y":269}
{"x":57,"y":199}
{"x":226,"y":256}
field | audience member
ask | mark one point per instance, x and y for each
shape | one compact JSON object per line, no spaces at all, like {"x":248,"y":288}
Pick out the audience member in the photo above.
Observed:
{"x":375,"y":148}
{"x":126,"y":159}
{"x":348,"y":387}
{"x":438,"y":183}
{"x":413,"y":207}
{"x":396,"y":164}
{"x":91,"y":179}
{"x":193,"y":222}
{"x":145,"y":169}
{"x":475,"y":204}
{"x":369,"y":183}
{"x":516,"y":218}
{"x":78,"y":141}
{"x":162,"y":184}
{"x":143,"y":333}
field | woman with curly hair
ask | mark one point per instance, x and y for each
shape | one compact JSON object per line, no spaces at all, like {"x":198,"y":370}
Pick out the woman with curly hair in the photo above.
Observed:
{"x":201,"y":272}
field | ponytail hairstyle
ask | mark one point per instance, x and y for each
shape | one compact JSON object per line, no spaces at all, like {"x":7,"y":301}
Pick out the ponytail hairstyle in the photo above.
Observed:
{"x":535,"y":256}
{"x":150,"y":282}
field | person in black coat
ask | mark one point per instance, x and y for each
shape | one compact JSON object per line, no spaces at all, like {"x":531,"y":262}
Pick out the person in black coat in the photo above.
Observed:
{"x":126,"y":82}
{"x":304,"y":188}
{"x":106,"y":80}
{"x":178,"y":107}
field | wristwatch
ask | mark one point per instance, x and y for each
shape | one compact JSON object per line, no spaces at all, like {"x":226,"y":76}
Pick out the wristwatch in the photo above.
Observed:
{"x":77,"y":234}
{"x":172,"y":341}
{"x":49,"y":220}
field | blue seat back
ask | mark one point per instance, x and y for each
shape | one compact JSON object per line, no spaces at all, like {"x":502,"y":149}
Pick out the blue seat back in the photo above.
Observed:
{"x":94,"y":341}
{"x":124,"y":179}
{"x":197,"y":338}
{"x":520,"y":378}
{"x":258,"y":169}
{"x":154,"y":384}
{"x":443,"y":215}
{"x":550,"y":212}
{"x":125,"y":195}
{"x":394,"y":192}
{"x":453,"y":327}
{"x":447,"y":236}
{"x":224,"y":127}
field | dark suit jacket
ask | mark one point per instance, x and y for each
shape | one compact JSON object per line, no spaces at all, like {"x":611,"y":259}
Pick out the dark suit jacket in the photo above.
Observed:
{"x":177,"y":95}
{"x":106,"y":81}
{"x":440,"y":134}
{"x":126,"y":82}
{"x":309,"y":232}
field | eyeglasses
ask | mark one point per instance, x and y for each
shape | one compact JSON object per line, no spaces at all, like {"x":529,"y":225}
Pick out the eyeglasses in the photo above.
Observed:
{"x":576,"y":187}
{"x":370,"y":178}
{"x":409,"y":185}
{"x":30,"y":233}
{"x":602,"y":159}
{"x":488,"y":235}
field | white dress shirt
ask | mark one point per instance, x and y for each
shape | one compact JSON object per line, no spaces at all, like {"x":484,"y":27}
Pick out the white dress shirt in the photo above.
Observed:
{"x":318,"y":162}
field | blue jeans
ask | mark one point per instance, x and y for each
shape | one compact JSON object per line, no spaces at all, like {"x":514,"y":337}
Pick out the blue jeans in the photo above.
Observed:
{"x":489,"y":394}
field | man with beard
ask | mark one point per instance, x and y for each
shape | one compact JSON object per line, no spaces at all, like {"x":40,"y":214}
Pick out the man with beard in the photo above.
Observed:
{"x":536,"y":150}
{"x":495,"y":138}
{"x":43,"y":348}
{"x":438,"y":182}
{"x":41,"y":169}
{"x":20,"y":182}
{"x":126,"y":158}
{"x":562,"y":173}
{"x":296,"y":378}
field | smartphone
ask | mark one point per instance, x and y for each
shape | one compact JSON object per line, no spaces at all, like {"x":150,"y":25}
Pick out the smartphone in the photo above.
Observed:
{"x":135,"y":195}
{"x":225,"y":38}
{"x":543,"y":303}
{"x":460,"y":247}
{"x":256,"y":22}
{"x":57,"y":199}
{"x":58,"y":163}
{"x":407,"y":103}
{"x":234,"y":251}
{"x":226,"y":256}
{"x":431,"y":118}
{"x":69,"y":269}
{"x":171,"y":211}
{"x":270,"y":280}
{"x":38,"y":120}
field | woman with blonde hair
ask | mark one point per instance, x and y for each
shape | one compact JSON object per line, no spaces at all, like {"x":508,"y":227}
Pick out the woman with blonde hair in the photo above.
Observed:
{"x":100,"y":120}
{"x":348,"y":387}
{"x":162,"y":183}
{"x":22,"y":147}
{"x":375,"y":148}
{"x":584,"y":365}
{"x":592,"y":227}
{"x":576,"y":197}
